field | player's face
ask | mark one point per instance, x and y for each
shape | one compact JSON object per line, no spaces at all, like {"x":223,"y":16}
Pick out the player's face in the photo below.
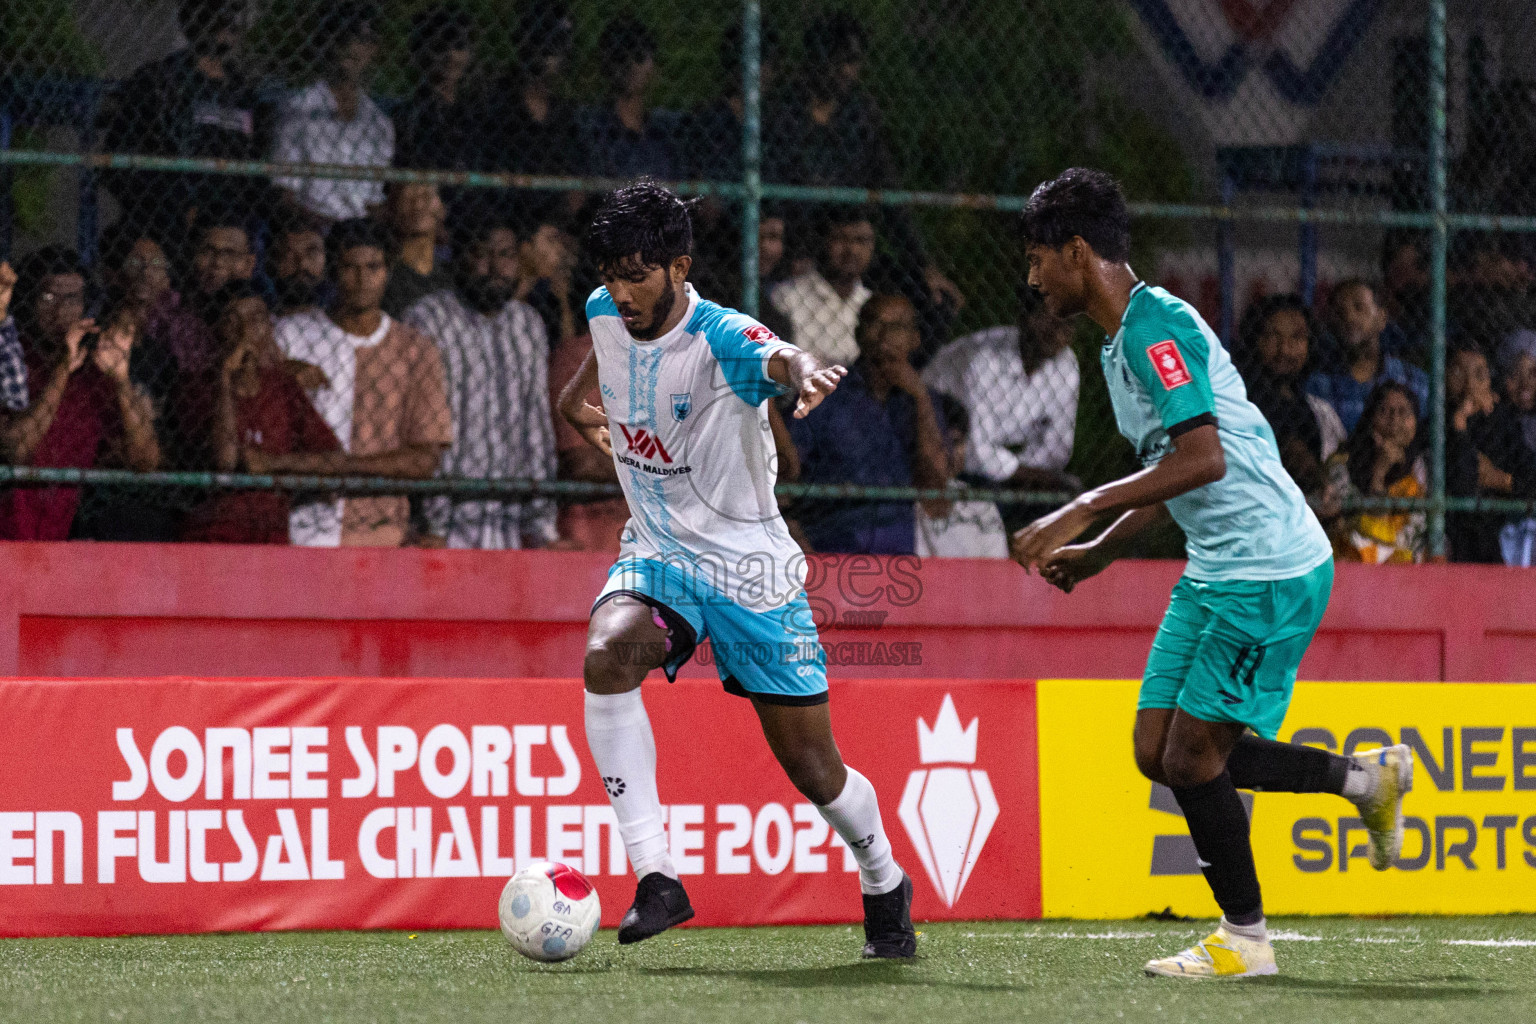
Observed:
{"x":646,"y":296}
{"x":1055,"y":274}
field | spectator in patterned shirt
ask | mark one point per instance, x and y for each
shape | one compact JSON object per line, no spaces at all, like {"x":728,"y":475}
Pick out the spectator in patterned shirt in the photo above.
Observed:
{"x":378,"y":384}
{"x":13,"y":362}
{"x":496,"y":358}
{"x":823,"y":304}
{"x":333,"y":121}
{"x":1383,"y":458}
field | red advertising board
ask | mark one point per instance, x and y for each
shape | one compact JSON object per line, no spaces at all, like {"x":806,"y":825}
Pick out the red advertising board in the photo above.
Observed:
{"x":188,"y":805}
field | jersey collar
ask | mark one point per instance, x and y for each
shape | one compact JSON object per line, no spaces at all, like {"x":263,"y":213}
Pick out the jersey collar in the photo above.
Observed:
{"x":1136,"y":289}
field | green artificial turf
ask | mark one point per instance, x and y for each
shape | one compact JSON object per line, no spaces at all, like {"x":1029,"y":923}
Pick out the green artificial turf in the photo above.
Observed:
{"x":1422,"y":970}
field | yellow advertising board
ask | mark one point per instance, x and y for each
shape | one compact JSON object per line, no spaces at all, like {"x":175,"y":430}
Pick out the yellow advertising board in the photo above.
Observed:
{"x":1114,"y":845}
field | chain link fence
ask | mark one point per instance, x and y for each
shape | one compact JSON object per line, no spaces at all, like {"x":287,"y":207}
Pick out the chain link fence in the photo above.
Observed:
{"x":235,"y":189}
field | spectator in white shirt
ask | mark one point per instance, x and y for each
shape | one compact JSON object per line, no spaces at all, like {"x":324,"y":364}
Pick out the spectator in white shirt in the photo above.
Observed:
{"x":1019,"y":384}
{"x":496,"y":355}
{"x":823,"y":303}
{"x":965,"y":529}
{"x":334,"y":121}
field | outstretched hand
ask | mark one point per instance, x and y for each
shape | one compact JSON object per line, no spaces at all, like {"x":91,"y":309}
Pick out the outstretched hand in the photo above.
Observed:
{"x":816,"y":386}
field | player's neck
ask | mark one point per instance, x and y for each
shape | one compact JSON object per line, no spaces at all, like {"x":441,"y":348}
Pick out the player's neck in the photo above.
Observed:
{"x":1109,"y":293}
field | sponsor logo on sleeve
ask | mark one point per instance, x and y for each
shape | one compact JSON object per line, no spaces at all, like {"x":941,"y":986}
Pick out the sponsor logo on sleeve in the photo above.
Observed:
{"x":759,"y":334}
{"x":1169,"y":364}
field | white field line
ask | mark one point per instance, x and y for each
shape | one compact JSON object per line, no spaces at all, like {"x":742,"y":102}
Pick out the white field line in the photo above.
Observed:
{"x":1489,"y":942}
{"x":1278,"y":936}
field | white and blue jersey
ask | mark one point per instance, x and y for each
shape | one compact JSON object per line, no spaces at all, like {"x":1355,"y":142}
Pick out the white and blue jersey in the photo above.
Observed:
{"x":695,"y":457}
{"x":1167,"y":373}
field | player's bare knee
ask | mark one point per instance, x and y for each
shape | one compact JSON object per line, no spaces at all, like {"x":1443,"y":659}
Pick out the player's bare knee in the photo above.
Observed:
{"x":1185,"y":765}
{"x":1149,"y":760}
{"x":612,"y":665}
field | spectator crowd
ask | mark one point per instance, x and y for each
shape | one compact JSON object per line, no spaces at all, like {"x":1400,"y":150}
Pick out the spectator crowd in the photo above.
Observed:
{"x":344,"y":327}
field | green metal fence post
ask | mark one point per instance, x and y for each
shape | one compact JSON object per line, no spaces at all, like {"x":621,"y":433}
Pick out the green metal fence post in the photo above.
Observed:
{"x":1439,"y":232}
{"x":751,"y":148}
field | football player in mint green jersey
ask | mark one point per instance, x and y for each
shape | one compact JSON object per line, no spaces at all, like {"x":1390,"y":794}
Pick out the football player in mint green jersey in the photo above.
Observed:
{"x":1219,"y":677}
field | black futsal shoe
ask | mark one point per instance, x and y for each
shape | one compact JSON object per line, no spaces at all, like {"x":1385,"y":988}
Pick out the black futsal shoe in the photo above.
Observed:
{"x":660,"y":903}
{"x":888,"y":931}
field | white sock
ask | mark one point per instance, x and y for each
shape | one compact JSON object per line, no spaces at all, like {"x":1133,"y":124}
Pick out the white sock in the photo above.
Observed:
{"x":1361,"y":779}
{"x":1257,"y":932}
{"x":855,"y":815}
{"x":619,"y":735}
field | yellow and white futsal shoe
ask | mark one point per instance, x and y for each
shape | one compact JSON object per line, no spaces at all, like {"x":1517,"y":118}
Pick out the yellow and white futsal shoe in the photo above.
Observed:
{"x":1382,"y":808}
{"x":1219,"y":955}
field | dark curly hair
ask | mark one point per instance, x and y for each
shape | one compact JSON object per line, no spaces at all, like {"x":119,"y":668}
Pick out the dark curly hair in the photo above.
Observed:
{"x":643,"y":220}
{"x":1246,"y":353}
{"x":1079,"y":202}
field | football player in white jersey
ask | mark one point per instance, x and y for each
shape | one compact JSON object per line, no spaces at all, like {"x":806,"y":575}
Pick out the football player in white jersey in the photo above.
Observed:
{"x":683,"y":385}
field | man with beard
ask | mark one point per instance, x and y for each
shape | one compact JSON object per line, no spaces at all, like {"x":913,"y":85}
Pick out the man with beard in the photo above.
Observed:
{"x":296,"y":265}
{"x":377,"y":383}
{"x":496,"y":357}
{"x":706,"y":555}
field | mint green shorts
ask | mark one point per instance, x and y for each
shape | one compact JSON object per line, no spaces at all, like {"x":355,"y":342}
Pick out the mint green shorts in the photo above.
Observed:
{"x":1228,"y":650}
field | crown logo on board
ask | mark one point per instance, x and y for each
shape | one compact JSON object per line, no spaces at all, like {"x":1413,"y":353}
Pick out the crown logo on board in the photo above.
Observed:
{"x":945,"y":742}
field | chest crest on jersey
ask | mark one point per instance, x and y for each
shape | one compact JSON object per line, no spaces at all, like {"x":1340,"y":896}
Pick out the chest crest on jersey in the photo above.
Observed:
{"x":682,"y":405}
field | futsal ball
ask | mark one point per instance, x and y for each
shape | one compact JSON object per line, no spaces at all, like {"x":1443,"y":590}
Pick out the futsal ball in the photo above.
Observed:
{"x":548,"y":911}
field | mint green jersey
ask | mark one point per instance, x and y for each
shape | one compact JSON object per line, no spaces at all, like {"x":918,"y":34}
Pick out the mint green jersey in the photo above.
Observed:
{"x":1168,"y":373}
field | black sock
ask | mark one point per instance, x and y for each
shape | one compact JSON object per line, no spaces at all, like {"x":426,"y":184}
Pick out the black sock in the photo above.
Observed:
{"x":1260,"y":764}
{"x":1219,"y":827}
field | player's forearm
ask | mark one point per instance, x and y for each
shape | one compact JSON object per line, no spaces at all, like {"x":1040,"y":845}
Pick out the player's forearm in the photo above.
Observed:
{"x":141,"y":446}
{"x":1114,"y":541}
{"x":788,"y":367}
{"x":1196,"y":460}
{"x":574,"y":394}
